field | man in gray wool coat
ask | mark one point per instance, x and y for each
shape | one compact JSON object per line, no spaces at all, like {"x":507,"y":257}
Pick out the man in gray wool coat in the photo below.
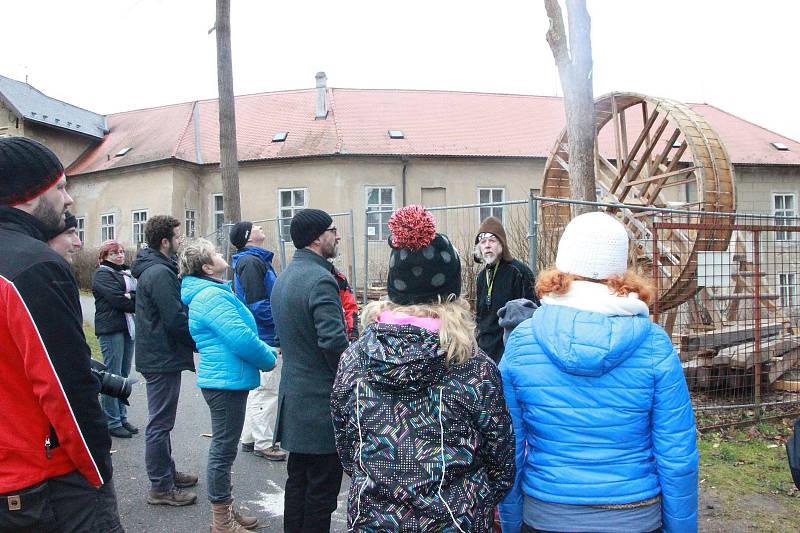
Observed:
{"x":310,"y":323}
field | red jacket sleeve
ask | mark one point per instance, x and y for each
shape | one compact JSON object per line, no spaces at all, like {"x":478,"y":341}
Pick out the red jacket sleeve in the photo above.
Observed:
{"x":56,"y":360}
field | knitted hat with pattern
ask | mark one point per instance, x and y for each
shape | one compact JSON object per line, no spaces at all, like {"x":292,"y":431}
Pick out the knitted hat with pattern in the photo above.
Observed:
{"x":593,"y":245}
{"x":424,"y":267}
{"x":27,"y":169}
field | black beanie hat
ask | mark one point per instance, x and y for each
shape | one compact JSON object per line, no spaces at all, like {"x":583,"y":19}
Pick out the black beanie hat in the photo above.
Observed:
{"x":307,"y":225}
{"x":27,"y":169}
{"x":240,"y":233}
{"x":423,"y":266}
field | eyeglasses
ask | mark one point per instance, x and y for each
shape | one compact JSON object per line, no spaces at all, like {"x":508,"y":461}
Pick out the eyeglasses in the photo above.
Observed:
{"x":334,"y":229}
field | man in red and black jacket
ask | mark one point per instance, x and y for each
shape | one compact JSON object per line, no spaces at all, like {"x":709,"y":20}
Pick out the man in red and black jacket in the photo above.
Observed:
{"x":55,"y":462}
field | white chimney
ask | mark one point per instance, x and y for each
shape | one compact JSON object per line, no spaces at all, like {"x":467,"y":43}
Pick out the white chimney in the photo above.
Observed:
{"x":322,"y":96}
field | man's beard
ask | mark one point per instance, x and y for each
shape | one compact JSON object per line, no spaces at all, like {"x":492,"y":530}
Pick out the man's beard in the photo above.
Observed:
{"x":489,"y":259}
{"x":50,"y":218}
{"x":331,"y":252}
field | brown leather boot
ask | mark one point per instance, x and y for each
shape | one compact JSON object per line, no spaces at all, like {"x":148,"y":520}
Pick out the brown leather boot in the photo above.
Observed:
{"x":223,"y":519}
{"x":248,"y":522}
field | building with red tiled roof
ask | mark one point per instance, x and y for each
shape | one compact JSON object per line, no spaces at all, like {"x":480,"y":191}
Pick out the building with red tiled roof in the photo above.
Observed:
{"x":353,"y":149}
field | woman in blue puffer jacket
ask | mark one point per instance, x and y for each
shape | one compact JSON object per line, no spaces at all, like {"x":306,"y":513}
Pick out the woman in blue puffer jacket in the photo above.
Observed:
{"x":604,"y":426}
{"x":231,"y":356}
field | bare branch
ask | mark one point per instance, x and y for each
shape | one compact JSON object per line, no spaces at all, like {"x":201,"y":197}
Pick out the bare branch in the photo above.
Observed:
{"x":556,"y":37}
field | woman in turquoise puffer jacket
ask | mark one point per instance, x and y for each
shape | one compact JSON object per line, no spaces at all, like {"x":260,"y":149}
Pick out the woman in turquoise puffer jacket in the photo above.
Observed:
{"x":231,"y":356}
{"x":604,"y":426}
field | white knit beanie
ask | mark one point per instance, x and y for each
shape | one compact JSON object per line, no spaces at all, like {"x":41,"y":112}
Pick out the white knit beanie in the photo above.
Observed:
{"x":593,"y":245}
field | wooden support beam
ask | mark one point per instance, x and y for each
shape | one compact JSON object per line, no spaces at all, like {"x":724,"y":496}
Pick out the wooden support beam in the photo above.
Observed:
{"x":651,"y":144}
{"x":638,"y":144}
{"x":743,"y":355}
{"x":662,"y":176}
{"x":783,"y":364}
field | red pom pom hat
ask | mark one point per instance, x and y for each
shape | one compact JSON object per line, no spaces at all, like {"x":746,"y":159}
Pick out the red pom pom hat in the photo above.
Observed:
{"x":424,"y":267}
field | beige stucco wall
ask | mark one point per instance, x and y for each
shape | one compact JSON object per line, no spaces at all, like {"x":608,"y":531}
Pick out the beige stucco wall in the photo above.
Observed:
{"x":121,"y":192}
{"x":755,"y":186}
{"x":9,"y":125}
{"x":67,"y":146}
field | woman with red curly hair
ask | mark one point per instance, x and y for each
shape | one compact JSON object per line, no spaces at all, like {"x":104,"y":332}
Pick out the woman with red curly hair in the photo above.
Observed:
{"x":114,"y":291}
{"x":605,"y":433}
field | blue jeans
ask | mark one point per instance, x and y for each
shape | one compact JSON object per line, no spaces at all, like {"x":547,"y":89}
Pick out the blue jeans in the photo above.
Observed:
{"x":163,"y":391}
{"x":117,"y":351}
{"x":227,"y":420}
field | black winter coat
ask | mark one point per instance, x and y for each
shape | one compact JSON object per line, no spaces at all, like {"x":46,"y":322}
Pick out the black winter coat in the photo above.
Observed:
{"x":163,"y":341}
{"x":310,"y":323}
{"x":509,"y":280}
{"x":110,"y":303}
{"x":78,"y":426}
{"x":394,"y":403}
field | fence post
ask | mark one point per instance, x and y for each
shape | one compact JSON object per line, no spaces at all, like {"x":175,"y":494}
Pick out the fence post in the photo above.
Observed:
{"x":281,"y":249}
{"x":656,"y":272}
{"x":757,"y":316}
{"x":227,"y":247}
{"x":533,"y":229}
{"x":366,"y":257}
{"x":353,"y":249}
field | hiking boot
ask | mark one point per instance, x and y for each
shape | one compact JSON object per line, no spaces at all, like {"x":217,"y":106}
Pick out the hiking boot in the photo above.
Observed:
{"x":175,"y":497}
{"x":273,"y":453}
{"x":184,"y":480}
{"x":120,"y":433}
{"x":248,"y":522}
{"x":248,"y":447}
{"x":223,"y":519}
{"x":130,"y":427}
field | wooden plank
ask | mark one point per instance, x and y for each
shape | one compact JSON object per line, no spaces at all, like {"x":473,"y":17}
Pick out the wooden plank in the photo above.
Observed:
{"x":638,"y":144}
{"x":645,"y":157}
{"x":728,"y":336}
{"x":783,"y":364}
{"x":661,"y":176}
{"x":788,"y":386}
{"x":742,"y":355}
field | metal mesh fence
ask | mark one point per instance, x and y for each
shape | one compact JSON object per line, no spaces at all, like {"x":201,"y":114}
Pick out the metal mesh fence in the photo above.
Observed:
{"x":279,"y":242}
{"x":460,"y":223}
{"x":727,"y":287}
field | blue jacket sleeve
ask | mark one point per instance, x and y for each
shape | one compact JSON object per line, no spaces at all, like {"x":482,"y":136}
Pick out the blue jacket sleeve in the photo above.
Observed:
{"x":511,"y":506}
{"x":223,"y":319}
{"x":674,"y":440}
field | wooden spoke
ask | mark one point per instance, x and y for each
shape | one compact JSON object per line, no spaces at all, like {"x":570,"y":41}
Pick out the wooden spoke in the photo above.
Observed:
{"x":675,"y":159}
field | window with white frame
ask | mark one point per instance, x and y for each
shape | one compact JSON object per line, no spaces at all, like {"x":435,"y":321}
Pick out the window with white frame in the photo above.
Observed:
{"x":219,"y":212}
{"x":379,"y":199}
{"x":489,"y":196}
{"x":139,"y":219}
{"x":81,"y":228}
{"x":784,"y":205}
{"x":787,"y":287}
{"x":289,"y":202}
{"x":108,"y":227}
{"x":190,"y":223}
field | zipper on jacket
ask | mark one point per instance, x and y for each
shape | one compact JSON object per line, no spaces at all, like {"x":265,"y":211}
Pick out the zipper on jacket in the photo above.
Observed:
{"x":48,"y":447}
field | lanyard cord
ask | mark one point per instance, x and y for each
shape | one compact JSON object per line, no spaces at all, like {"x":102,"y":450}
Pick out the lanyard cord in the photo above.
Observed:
{"x":489,"y":285}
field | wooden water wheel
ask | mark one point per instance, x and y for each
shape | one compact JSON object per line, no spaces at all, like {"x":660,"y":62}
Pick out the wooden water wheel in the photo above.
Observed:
{"x":660,"y":153}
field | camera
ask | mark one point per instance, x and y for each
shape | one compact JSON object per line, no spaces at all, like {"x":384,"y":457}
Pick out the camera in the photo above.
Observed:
{"x":112,"y":384}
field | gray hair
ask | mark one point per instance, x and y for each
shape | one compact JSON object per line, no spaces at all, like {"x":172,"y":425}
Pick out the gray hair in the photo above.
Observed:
{"x":194,"y":255}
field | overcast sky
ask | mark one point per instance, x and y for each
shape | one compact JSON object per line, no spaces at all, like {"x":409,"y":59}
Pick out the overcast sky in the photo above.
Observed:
{"x":116,"y":55}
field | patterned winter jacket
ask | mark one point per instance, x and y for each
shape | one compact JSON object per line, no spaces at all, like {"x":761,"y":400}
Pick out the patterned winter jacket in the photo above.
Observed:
{"x":428,"y":447}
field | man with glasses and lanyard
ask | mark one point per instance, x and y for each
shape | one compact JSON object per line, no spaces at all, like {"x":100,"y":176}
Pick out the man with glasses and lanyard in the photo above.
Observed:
{"x":310,"y":323}
{"x":503,"y":279}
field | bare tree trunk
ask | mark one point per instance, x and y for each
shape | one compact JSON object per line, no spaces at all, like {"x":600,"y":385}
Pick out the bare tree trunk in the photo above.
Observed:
{"x":229,"y":160}
{"x":574,"y":61}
